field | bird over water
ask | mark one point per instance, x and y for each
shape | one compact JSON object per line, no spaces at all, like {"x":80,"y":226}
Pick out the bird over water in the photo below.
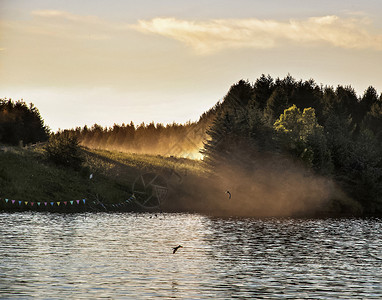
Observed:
{"x":176,"y":248}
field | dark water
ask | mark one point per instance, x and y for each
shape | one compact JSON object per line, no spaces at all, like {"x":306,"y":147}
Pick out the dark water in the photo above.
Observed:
{"x":128,"y":256}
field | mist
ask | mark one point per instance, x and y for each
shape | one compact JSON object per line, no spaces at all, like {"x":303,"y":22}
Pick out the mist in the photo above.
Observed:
{"x":276,"y":187}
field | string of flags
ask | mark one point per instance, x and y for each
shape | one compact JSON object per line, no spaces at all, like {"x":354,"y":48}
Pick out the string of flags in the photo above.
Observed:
{"x":44,"y":203}
{"x":130,"y":200}
{"x":31,"y":204}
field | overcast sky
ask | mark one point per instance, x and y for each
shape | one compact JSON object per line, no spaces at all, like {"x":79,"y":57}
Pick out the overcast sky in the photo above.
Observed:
{"x":116,"y":61}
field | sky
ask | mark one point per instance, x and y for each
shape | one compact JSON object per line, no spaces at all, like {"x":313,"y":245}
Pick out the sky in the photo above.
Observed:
{"x":116,"y":61}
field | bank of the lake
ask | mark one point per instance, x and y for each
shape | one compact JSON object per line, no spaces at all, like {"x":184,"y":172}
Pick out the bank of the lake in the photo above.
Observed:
{"x":29,"y":181}
{"x":106,"y":182}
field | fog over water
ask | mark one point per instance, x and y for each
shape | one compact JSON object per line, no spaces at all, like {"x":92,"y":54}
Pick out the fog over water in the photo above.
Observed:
{"x":129,"y":256}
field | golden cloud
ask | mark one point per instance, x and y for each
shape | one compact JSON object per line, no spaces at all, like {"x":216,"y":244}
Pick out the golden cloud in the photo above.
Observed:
{"x":210,"y":36}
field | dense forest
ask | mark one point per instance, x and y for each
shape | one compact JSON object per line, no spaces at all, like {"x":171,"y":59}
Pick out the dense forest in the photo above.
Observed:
{"x":272,"y":128}
{"x":330,"y":131}
{"x":21,"y":124}
{"x":182,"y":140}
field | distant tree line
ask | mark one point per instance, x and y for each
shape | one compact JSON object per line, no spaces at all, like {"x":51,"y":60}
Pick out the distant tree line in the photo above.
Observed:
{"x":158,"y":139}
{"x":331,"y":130}
{"x":21,"y":123}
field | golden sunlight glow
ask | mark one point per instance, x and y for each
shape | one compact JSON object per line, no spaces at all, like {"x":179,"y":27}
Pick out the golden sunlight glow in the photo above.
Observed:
{"x":210,"y":36}
{"x":171,"y":63}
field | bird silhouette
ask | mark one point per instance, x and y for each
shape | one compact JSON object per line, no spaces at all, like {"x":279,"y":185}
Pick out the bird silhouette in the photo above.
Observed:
{"x":176,"y":248}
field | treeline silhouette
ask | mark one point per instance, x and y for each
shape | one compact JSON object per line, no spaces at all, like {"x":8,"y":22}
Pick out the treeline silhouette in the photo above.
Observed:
{"x":331,"y":131}
{"x":20,"y":123}
{"x":183,"y":140}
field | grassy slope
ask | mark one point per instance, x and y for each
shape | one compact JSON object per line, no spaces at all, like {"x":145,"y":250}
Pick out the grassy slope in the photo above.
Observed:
{"x":26,"y":175}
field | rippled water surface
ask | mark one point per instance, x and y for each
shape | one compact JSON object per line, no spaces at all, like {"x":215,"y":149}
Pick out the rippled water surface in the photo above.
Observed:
{"x":129,"y":256}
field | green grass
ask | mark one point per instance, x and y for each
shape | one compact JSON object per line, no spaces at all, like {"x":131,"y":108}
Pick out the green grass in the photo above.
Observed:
{"x":150,"y":162}
{"x":26,"y":175}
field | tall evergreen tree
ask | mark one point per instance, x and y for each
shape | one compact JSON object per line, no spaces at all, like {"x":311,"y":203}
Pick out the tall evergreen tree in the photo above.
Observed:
{"x":276,"y":104}
{"x":262,"y":90}
{"x":20,"y":122}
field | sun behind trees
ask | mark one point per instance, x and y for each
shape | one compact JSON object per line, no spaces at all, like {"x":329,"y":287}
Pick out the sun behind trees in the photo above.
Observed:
{"x":282,"y":144}
{"x":182,"y":140}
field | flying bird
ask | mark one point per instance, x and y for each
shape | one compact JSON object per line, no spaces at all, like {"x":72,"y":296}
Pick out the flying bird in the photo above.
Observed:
{"x":176,"y":248}
{"x":227,"y":192}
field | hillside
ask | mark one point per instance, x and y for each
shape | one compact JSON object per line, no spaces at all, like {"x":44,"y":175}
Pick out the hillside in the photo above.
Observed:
{"x":281,"y":147}
{"x":34,"y":183}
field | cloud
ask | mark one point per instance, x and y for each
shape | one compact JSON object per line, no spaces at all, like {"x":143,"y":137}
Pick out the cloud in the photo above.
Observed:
{"x":207,"y":37}
{"x":68,"y":25}
{"x":58,"y":14}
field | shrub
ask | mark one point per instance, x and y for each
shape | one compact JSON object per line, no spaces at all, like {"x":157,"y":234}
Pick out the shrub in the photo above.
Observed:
{"x":64,"y":149}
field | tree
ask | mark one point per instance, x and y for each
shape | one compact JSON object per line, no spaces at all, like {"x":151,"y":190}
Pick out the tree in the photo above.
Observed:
{"x":239,"y":95}
{"x":306,"y":94}
{"x":217,"y":149}
{"x":20,"y":122}
{"x":262,"y":90}
{"x":296,"y":130}
{"x":64,"y":149}
{"x":369,"y":98}
{"x":276,"y":104}
{"x":373,"y":120}
{"x":261,"y":133}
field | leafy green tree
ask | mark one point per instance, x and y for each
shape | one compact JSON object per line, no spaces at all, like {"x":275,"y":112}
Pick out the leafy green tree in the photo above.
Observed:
{"x":294,"y":129}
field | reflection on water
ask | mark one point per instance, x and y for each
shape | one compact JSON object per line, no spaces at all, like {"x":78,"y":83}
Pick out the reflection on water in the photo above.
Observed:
{"x":127,"y":256}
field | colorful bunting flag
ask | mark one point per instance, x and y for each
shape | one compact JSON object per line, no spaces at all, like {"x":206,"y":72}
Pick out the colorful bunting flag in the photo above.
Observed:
{"x":26,"y":203}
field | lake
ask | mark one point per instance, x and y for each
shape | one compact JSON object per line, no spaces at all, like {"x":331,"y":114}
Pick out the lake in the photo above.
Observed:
{"x":129,"y":256}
